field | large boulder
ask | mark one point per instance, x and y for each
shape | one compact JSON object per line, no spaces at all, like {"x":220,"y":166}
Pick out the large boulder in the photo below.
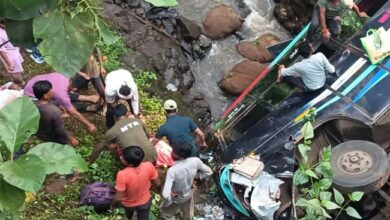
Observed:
{"x":221,"y":21}
{"x":257,"y":50}
{"x":294,"y":14}
{"x":239,"y":78}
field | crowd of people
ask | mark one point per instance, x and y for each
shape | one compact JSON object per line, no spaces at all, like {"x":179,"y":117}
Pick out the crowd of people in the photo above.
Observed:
{"x":57,"y":96}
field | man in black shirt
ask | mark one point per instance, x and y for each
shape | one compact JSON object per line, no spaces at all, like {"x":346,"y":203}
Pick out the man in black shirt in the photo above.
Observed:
{"x":51,"y":126}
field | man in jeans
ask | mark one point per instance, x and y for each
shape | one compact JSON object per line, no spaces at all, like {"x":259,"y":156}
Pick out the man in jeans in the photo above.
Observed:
{"x":310,"y":73}
{"x":178,"y":192}
{"x":327,"y":14}
{"x":133,"y":183}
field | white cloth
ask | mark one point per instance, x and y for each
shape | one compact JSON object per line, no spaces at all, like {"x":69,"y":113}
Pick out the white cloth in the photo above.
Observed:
{"x":115,"y":80}
{"x":8,"y":95}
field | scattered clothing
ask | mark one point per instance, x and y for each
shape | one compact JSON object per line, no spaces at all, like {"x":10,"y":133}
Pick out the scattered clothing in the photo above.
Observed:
{"x":60,"y":89}
{"x":114,"y":81}
{"x":131,"y":132}
{"x":311,"y":71}
{"x":135,"y":182}
{"x":13,"y":53}
{"x":51,"y":126}
{"x":179,"y":128}
{"x":178,"y":190}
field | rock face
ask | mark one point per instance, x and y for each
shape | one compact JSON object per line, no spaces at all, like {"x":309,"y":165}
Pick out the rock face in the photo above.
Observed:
{"x":256,"y":51}
{"x":294,"y":14}
{"x":241,"y":76}
{"x":221,"y":21}
{"x":189,"y":29}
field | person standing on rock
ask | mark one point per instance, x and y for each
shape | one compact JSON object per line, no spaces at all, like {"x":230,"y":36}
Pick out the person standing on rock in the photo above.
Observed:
{"x":308,"y":74}
{"x":327,"y":14}
{"x":179,"y":128}
{"x":120,"y":85}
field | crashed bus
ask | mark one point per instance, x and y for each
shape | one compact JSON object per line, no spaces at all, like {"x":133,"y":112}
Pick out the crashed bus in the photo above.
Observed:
{"x":353,"y":110}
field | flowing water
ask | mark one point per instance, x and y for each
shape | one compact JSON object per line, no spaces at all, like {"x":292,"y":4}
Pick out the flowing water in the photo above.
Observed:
{"x":223,"y":55}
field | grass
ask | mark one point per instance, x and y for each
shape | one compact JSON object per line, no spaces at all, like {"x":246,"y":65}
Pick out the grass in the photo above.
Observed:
{"x":64,"y":205}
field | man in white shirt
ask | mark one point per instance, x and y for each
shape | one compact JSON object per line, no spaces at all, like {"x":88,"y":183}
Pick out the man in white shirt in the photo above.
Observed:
{"x":308,"y":74}
{"x":120,"y":85}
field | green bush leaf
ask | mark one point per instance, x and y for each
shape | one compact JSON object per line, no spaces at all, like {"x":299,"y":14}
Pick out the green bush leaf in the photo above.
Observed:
{"x":338,"y":196}
{"x":106,"y":35}
{"x":311,"y":174}
{"x":307,"y":131}
{"x":300,"y":178}
{"x":325,"y":184}
{"x":352,"y":212}
{"x":356,"y":196}
{"x":329,"y":205}
{"x":324,"y":169}
{"x":12,"y":198}
{"x":26,"y":173}
{"x":325,"y":196}
{"x":67,"y":43}
{"x":303,"y":149}
{"x":18,"y":121}
{"x":24,"y":10}
{"x":57,"y":158}
{"x":163,"y":3}
{"x":301,"y":202}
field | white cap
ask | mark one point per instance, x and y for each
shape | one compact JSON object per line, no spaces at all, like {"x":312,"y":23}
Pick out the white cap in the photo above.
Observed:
{"x":170,"y":105}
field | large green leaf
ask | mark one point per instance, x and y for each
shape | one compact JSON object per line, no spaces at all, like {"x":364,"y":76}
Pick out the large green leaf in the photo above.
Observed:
{"x":163,"y":3}
{"x":352,"y":212}
{"x":106,"y":35}
{"x":26,"y":173}
{"x":24,"y":10}
{"x":356,"y":196}
{"x":67,"y":42}
{"x":12,"y":198}
{"x":18,"y":121}
{"x":57,"y":158}
{"x":307,"y":131}
{"x":338,"y":197}
{"x":20,"y":33}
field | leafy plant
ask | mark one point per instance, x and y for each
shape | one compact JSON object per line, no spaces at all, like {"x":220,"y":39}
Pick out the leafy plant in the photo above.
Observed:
{"x":113,"y":52}
{"x":350,"y":24}
{"x":27,"y":173}
{"x":59,"y":26}
{"x":315,"y":181}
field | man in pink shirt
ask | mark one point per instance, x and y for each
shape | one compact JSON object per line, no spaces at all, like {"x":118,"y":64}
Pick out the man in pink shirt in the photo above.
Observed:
{"x":63,"y":96}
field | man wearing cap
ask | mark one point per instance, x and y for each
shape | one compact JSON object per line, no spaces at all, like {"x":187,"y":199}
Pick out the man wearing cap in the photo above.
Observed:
{"x":179,"y":128}
{"x":120,"y":85}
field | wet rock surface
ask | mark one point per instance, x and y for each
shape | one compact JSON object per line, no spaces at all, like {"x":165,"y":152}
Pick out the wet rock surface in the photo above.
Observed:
{"x":153,"y":49}
{"x":294,"y":14}
{"x":221,"y":21}
{"x":257,"y":50}
{"x":241,"y":76}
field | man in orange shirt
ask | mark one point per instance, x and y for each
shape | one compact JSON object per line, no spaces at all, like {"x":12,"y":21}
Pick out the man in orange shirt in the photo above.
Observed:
{"x":133,"y":183}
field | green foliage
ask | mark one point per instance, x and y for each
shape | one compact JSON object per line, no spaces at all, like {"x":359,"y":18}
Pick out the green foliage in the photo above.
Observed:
{"x":15,"y":125}
{"x":63,"y":36}
{"x":66,"y":30}
{"x":57,"y":158}
{"x":28,"y":172}
{"x":163,"y":3}
{"x":316,"y":182}
{"x":113,"y":53}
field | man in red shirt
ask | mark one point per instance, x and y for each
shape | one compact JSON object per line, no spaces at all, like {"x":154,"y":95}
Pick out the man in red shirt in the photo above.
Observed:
{"x":133,"y":183}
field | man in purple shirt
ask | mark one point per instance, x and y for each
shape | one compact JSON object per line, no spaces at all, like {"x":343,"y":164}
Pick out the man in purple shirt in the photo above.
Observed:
{"x":63,"y":96}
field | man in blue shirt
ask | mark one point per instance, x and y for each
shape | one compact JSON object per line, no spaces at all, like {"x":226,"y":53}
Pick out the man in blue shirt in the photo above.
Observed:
{"x":308,"y":74}
{"x":179,"y":128}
